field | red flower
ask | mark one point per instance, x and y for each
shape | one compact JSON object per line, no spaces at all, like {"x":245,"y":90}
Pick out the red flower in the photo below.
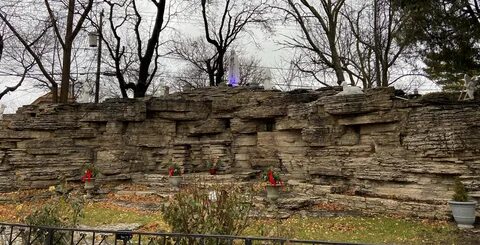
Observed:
{"x":88,"y":175}
{"x":271,"y":178}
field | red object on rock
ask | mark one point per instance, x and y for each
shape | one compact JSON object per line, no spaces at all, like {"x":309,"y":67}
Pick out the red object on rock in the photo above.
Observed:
{"x":272,"y":180}
{"x":213,"y":171}
{"x":88,"y":176}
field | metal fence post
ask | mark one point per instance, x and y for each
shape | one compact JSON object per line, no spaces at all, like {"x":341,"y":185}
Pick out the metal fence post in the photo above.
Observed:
{"x":54,"y":236}
{"x":49,"y":240}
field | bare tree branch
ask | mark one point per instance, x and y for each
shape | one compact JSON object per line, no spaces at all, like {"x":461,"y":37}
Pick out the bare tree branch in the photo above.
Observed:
{"x":54,"y":21}
{"x":133,"y":60}
{"x":234,"y":19}
{"x":1,"y":46}
{"x":29,"y":49}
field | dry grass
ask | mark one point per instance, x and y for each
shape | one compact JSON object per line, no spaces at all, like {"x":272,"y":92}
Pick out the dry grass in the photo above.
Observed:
{"x":377,"y":229}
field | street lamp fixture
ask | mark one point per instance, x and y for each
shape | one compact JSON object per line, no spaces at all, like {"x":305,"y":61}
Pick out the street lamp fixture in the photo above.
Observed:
{"x":93,"y":39}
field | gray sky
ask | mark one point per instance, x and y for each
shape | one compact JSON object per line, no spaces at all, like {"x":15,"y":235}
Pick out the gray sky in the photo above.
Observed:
{"x":268,"y":50}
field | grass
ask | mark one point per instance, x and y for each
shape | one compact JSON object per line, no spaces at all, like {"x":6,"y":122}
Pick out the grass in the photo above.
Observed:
{"x":379,"y":229}
{"x":357,"y":229}
{"x":374,"y":230}
{"x":341,"y":229}
{"x":387,"y":230}
{"x":97,"y":214}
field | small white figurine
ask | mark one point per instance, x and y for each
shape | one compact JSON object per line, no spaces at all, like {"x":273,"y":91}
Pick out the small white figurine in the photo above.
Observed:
{"x":347,"y":89}
{"x":212,"y":196}
{"x":470,"y":83}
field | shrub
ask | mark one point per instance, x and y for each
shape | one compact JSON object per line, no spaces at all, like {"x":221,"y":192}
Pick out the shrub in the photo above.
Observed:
{"x":460,"y":194}
{"x":220,"y":210}
{"x":57,"y":212}
{"x":213,"y":164}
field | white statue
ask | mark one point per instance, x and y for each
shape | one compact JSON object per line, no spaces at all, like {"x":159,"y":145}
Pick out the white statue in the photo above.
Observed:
{"x":347,"y":89}
{"x":470,"y":83}
{"x":267,"y":83}
{"x":233,"y":70}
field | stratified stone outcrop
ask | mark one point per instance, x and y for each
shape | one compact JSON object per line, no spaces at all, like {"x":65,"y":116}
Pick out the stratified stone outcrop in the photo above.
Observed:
{"x":371,"y":152}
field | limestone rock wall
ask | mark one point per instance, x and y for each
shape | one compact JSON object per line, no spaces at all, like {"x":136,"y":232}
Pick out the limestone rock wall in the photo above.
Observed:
{"x":368,"y":152}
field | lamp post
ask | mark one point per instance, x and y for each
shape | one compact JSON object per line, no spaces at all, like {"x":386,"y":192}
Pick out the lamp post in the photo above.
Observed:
{"x":95,"y":40}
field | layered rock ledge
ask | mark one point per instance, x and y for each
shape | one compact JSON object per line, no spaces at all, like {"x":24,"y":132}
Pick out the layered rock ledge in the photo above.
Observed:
{"x":371,"y":152}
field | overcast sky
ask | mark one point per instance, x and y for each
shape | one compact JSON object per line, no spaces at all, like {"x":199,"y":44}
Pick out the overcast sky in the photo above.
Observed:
{"x":266,"y":48}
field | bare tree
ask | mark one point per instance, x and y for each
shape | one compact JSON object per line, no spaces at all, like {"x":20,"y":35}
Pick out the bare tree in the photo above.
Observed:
{"x":196,"y":78}
{"x":359,"y":62}
{"x":134,"y":61}
{"x":1,"y":46}
{"x":15,"y":61}
{"x":380,"y":39}
{"x":223,"y":24}
{"x":198,"y":55}
{"x":361,"y":40}
{"x":26,"y":63}
{"x":378,"y":45}
{"x":65,"y":34}
{"x":289,"y":78}
{"x":319,"y":35}
{"x":251,"y":71}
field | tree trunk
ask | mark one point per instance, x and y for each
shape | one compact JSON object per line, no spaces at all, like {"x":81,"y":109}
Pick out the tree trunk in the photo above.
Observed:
{"x":211,"y":79}
{"x":54,"y":91}
{"x":220,"y":68}
{"x":67,"y":54}
{"x":385,"y":75}
{"x":377,"y":45}
{"x":211,"y":74}
{"x":65,"y":84}
{"x":140,"y":90}
{"x":146,"y":60}
{"x":337,"y":66}
{"x":1,"y":46}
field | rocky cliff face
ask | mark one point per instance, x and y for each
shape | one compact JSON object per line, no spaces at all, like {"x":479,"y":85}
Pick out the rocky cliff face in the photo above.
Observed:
{"x":368,"y":152}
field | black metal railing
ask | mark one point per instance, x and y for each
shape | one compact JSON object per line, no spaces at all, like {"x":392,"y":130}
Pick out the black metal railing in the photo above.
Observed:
{"x":13,"y":234}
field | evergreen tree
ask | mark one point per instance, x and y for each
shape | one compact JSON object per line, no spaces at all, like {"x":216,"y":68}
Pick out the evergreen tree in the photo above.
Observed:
{"x":448,"y":37}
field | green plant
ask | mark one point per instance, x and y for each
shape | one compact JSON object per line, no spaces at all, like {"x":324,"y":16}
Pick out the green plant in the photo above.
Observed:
{"x":272,"y":177}
{"x":89,"y":171}
{"x":213,"y":164}
{"x":57,"y":212}
{"x":221,"y":210}
{"x":174,"y":170}
{"x":375,"y":229}
{"x":92,"y":168}
{"x":460,"y":194}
